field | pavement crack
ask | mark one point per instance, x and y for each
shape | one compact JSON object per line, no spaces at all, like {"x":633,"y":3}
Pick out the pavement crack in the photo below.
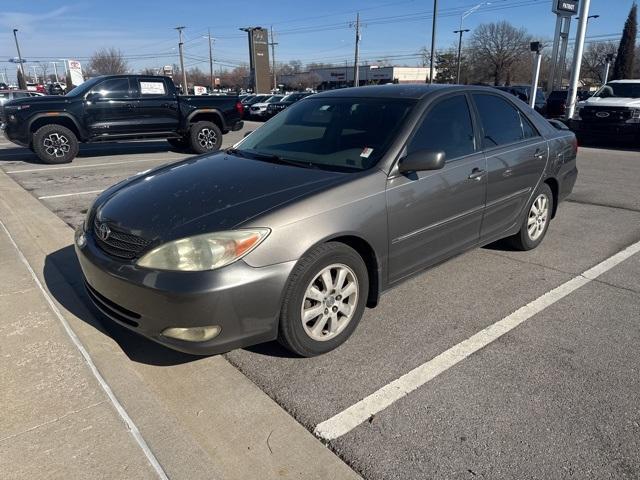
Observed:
{"x":599,"y":204}
{"x":49,"y":422}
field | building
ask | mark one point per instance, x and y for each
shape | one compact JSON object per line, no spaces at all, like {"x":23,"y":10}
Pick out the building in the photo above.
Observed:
{"x":327,"y":78}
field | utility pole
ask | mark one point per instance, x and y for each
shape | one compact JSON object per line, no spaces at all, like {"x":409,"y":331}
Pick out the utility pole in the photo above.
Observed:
{"x":273,"y":59}
{"x":577,"y":58}
{"x":185,"y":90}
{"x":15,"y":36}
{"x":55,"y":70}
{"x":433,"y":40}
{"x":459,"y":51}
{"x":211,"y":61}
{"x":356,"y":70}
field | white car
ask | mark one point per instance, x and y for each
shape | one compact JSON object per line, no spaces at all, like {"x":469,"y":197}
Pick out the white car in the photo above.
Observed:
{"x":260,"y":109}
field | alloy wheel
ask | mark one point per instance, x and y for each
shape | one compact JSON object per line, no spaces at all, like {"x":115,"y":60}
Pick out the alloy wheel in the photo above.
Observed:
{"x":330,"y":302}
{"x":207,"y":138}
{"x":56,"y":145}
{"x":538,"y":217}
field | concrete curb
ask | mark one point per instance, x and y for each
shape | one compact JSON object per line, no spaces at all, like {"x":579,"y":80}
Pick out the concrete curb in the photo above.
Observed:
{"x":201,"y":417}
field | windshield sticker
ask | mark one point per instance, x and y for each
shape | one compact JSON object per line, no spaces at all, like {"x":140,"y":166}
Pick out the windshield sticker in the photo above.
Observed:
{"x":366,"y":152}
{"x":152,"y":88}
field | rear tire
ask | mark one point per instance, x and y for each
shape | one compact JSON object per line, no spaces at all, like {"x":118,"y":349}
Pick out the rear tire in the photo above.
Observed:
{"x":55,"y":144}
{"x":536,"y":221}
{"x":205,"y":137}
{"x":332,"y":307}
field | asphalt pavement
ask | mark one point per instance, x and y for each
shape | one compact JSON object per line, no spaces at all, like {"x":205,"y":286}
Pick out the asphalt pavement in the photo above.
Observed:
{"x":554,"y":397}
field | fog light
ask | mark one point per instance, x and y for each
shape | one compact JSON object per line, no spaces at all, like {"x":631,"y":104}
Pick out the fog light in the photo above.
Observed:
{"x":81,"y":240}
{"x":192,"y":334}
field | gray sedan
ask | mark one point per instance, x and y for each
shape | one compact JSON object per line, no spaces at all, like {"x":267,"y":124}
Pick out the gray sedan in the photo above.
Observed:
{"x":291,"y":233}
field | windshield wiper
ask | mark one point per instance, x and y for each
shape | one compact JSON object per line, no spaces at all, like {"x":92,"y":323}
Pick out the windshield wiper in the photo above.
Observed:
{"x":272,"y":157}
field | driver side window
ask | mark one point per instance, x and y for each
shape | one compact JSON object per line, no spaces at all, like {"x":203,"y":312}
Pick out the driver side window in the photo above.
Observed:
{"x":113,"y":88}
{"x":447,"y":127}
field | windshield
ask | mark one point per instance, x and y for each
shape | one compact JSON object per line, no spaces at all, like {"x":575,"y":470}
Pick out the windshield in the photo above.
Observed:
{"x":83,"y":87}
{"x":274,"y":99}
{"x":345,"y":134}
{"x":620,"y":90}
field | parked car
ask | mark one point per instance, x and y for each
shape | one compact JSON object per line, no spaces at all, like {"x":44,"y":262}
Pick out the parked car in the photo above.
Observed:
{"x":119,"y":107}
{"x":305,"y":222}
{"x":557,"y":102}
{"x":613,"y":111}
{"x":7,"y":95}
{"x":246,"y":105}
{"x":523,"y":92}
{"x":4,"y":86}
{"x":259,"y":109}
{"x":55,"y":89}
{"x":287,"y":101}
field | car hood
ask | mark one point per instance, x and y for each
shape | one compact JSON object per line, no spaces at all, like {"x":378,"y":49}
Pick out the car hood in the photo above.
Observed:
{"x":611,"y":102}
{"x":205,"y":194}
{"x":43,"y":100}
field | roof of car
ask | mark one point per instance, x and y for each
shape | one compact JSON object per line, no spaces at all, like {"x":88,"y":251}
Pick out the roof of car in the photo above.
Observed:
{"x":412,"y":91}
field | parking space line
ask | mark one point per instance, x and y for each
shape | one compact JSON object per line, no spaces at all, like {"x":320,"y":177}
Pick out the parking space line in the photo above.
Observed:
{"x":46,"y":197}
{"x":128,"y":421}
{"x":45,"y":169}
{"x":361,"y":411}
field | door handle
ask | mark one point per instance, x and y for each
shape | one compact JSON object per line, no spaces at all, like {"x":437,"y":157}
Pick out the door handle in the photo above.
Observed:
{"x":539,"y":154}
{"x":477,"y":174}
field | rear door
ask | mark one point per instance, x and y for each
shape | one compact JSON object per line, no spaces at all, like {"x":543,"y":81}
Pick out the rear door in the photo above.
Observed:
{"x":158,"y":105}
{"x":516,"y":157}
{"x":110,"y":108}
{"x":435,"y":214}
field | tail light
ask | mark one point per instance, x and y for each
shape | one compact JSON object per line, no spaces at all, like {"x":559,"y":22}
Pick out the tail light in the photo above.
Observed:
{"x":239,"y":108}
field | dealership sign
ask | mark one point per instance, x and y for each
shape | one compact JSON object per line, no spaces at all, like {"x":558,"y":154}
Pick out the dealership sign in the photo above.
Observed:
{"x":75,"y":72}
{"x":565,"y":7}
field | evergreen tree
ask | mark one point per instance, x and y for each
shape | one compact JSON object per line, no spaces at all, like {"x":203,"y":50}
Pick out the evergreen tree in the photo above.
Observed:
{"x":623,"y":66}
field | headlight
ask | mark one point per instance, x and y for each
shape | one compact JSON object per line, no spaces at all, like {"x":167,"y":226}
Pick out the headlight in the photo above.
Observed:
{"x":204,"y":252}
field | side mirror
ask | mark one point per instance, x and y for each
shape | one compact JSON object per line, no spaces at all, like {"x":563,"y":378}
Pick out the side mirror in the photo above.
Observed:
{"x":422,"y":160}
{"x":246,"y":134}
{"x":93,"y":96}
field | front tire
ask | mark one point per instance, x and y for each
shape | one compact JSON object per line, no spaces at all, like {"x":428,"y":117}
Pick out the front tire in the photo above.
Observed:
{"x":55,"y":144}
{"x":536,"y":221}
{"x":324,"y":300}
{"x":205,"y":137}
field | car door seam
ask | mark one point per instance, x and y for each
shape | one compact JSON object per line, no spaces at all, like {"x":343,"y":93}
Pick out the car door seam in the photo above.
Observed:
{"x":438,"y":224}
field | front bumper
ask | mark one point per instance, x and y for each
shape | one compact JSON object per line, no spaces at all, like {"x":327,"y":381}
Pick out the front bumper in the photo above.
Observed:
{"x":244,"y":301}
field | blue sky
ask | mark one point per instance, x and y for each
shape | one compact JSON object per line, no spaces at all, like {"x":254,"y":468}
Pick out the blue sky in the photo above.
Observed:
{"x":143,"y":30}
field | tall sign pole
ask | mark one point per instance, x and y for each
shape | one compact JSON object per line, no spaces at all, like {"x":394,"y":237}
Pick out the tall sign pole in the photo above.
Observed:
{"x":564,"y":10}
{"x":577,"y":57}
{"x":185,"y":90}
{"x":536,"y":48}
{"x":273,"y":59}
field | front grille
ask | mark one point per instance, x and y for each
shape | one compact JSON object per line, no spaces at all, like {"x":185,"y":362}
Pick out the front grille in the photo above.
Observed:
{"x":111,"y":309}
{"x":605,"y":114}
{"x":120,"y":244}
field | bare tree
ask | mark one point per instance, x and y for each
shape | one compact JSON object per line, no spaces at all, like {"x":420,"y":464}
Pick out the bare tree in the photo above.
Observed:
{"x":497,"y":47}
{"x":108,"y":61}
{"x":149,"y":71}
{"x":594,"y":60}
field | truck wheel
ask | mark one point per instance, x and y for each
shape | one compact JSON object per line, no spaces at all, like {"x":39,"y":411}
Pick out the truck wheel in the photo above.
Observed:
{"x":55,"y":144}
{"x":205,"y":137}
{"x":178,"y":143}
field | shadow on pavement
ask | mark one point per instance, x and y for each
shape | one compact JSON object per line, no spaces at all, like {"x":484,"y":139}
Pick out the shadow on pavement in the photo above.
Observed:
{"x":69,"y":292}
{"x":92,"y":150}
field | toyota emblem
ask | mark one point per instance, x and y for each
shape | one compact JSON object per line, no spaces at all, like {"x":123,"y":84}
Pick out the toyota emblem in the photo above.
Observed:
{"x":104,"y":231}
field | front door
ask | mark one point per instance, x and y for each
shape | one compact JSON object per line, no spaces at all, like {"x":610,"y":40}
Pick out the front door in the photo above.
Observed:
{"x":435,"y":214}
{"x":110,"y":108}
{"x":516,"y":157}
{"x":158,"y":108}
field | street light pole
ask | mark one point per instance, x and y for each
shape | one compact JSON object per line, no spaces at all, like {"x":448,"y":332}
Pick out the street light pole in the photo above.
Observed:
{"x":184,"y":74}
{"x":459,"y":51}
{"x":15,"y":36}
{"x":577,"y":58}
{"x":273,"y":59}
{"x":433,"y":40}
{"x":608,"y":59}
{"x":356,"y":69}
{"x":210,"y":60}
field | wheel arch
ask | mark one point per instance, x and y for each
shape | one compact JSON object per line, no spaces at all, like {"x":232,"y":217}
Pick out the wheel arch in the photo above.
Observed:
{"x":555,"y":191}
{"x":207,"y":115}
{"x":64,"y":120}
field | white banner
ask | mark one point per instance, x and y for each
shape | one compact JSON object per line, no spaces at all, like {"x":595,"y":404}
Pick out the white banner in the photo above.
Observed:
{"x":197,"y":90}
{"x":75,"y":72}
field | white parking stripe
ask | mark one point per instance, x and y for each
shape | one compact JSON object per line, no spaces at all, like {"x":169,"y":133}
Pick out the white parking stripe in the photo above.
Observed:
{"x":69,"y":194}
{"x":358,"y":413}
{"x":128,"y":421}
{"x":46,"y":169}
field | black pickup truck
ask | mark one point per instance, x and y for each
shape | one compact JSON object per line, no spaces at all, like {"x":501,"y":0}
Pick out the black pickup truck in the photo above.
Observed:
{"x":119,"y":107}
